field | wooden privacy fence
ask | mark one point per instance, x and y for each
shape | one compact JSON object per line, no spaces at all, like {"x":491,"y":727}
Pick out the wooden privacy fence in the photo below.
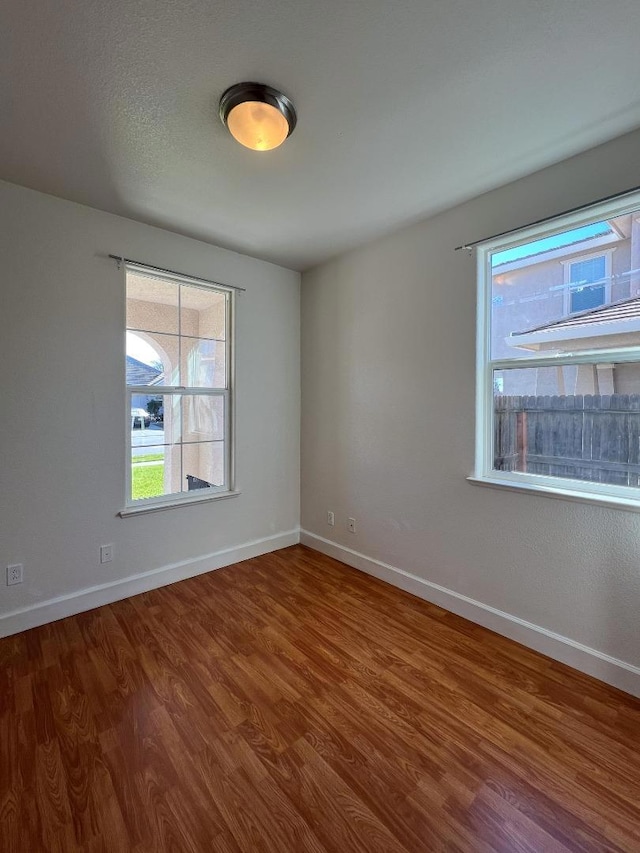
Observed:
{"x":591,"y":437}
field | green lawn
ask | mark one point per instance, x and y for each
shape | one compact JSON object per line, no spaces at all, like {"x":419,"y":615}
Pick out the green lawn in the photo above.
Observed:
{"x":149,"y":457}
{"x":147,"y":481}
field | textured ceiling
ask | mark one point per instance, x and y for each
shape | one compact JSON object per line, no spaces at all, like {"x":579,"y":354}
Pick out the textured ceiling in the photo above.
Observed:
{"x":404,"y":108}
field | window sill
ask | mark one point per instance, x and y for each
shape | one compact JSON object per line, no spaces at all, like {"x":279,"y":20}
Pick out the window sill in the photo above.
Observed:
{"x":611,"y":501}
{"x":144,"y":508}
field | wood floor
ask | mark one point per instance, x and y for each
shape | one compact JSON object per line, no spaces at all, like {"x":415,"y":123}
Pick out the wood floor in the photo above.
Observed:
{"x":290,"y":703}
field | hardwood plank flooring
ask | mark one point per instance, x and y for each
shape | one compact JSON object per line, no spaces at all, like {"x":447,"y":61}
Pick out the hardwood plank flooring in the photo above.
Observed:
{"x":288,"y":704}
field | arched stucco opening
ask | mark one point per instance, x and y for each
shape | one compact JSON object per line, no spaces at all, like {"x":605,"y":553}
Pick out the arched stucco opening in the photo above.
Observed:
{"x":160,"y":437}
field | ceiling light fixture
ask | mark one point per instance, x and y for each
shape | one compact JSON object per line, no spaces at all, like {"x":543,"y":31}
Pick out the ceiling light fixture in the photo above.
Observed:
{"x":257,"y":116}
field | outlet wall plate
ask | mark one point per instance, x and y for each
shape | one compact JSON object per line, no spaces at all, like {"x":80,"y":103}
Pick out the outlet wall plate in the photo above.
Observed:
{"x":331,"y":519}
{"x":106,"y":553}
{"x":15,"y":574}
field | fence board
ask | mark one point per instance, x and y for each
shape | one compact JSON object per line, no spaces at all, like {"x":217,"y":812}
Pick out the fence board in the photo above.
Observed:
{"x":590,"y":437}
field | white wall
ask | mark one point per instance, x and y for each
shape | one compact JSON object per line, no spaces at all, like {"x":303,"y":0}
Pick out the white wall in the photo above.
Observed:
{"x":62,"y":424}
{"x":388,"y":371}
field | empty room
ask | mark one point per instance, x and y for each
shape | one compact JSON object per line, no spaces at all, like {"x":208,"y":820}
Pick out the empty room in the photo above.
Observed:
{"x":320,"y":427}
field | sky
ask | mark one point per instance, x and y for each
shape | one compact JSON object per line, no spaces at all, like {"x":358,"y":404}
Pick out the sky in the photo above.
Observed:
{"x":140,"y":350}
{"x":565,"y":238}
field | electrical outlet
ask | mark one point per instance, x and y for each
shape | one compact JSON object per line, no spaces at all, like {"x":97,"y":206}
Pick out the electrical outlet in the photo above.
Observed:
{"x":106,"y":553}
{"x":14,"y":574}
{"x":351,"y":525}
{"x":331,"y":519}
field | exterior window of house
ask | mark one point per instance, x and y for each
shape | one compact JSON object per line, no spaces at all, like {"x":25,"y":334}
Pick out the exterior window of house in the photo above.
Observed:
{"x":588,"y":282}
{"x":179,"y":389}
{"x":558,"y":381}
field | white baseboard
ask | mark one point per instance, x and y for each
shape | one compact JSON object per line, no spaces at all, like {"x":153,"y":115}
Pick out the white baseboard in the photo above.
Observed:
{"x":616,"y":672}
{"x":95,"y":596}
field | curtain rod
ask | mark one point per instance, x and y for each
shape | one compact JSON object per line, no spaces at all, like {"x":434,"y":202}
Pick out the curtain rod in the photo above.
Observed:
{"x":580,"y":207}
{"x":142,"y":265}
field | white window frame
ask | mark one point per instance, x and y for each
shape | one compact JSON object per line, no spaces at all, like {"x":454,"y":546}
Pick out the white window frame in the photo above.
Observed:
{"x":228,"y":489}
{"x":627,"y":497}
{"x":567,"y":263}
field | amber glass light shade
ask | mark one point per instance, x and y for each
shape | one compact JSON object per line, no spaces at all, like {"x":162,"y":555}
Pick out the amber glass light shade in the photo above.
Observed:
{"x":257,"y":116}
{"x":258,"y":126}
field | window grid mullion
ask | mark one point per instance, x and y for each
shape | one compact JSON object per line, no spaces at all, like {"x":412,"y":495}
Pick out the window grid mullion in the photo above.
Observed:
{"x":151,"y":390}
{"x":180,"y":334}
{"x":135,"y":329}
{"x":622,"y":356}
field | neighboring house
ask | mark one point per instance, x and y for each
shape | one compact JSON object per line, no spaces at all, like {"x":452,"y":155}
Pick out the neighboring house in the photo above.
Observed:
{"x":139,"y":373}
{"x":609,"y":326}
{"x":568,"y":296}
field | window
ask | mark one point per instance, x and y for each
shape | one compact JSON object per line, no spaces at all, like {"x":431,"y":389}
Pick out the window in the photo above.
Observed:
{"x":588,"y":282}
{"x":558,"y":385}
{"x":179,"y":388}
